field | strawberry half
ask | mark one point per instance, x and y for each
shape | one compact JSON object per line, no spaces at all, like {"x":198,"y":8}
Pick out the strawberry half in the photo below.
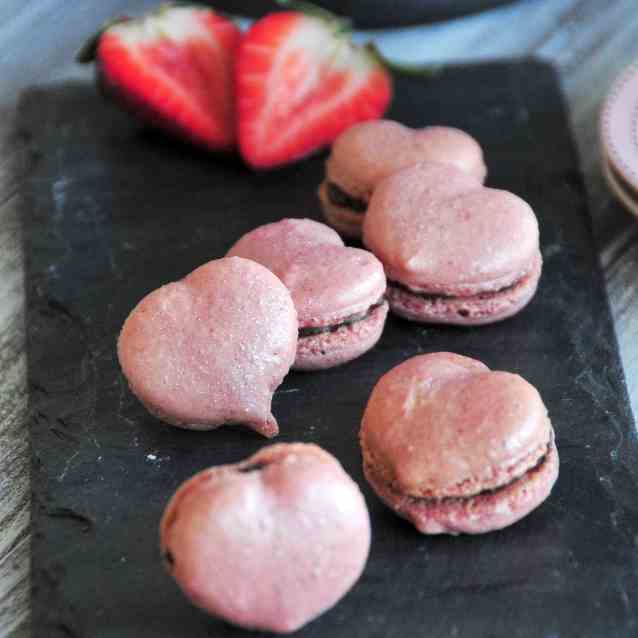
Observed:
{"x":300,"y":82}
{"x":173,"y":68}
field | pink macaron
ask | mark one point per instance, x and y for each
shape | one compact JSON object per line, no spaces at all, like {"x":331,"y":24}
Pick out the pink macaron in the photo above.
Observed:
{"x":371,"y":151}
{"x":457,"y":448}
{"x":338,"y":291}
{"x":212,"y":348}
{"x":454,"y":251}
{"x":269,"y":543}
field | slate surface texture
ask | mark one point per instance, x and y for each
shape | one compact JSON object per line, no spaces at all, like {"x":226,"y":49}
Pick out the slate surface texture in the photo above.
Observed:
{"x":112,"y":212}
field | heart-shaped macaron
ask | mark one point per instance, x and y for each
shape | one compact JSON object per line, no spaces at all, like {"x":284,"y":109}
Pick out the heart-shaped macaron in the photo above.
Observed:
{"x":212,"y":348}
{"x":453,"y":250}
{"x":455,"y":447}
{"x":369,"y":152}
{"x":271,"y":542}
{"x":338,"y":291}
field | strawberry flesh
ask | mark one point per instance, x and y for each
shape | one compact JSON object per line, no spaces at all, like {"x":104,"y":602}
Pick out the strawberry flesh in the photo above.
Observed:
{"x":300,"y":83}
{"x":174,"y":70}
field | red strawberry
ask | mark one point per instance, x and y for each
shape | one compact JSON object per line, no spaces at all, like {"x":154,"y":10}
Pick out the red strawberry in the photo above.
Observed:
{"x":300,"y":83}
{"x":173,"y":68}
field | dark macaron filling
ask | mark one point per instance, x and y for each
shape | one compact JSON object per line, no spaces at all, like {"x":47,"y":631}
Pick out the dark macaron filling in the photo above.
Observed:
{"x":487,"y":492}
{"x":436,"y":296}
{"x":311,"y":331}
{"x":340,"y":198}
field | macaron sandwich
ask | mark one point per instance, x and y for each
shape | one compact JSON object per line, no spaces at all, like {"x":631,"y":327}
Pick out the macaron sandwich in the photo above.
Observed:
{"x":368,"y":152}
{"x":454,"y":251}
{"x":457,"y":448}
{"x":338,"y":291}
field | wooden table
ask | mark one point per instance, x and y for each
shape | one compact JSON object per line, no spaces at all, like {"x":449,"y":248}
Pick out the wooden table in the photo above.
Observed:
{"x":588,"y":40}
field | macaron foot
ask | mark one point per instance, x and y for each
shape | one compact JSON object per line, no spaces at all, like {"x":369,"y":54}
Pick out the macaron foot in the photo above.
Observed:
{"x":349,"y":341}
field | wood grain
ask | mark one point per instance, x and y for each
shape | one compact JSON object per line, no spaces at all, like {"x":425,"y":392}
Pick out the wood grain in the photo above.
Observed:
{"x":589,"y":41}
{"x":14,"y":442}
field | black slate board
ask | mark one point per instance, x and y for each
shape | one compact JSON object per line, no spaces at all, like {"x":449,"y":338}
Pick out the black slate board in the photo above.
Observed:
{"x":372,"y":13}
{"x":113,"y":213}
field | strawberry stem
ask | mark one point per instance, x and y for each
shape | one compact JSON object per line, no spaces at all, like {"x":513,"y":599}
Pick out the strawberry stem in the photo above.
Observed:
{"x":88,"y":51}
{"x":310,"y":9}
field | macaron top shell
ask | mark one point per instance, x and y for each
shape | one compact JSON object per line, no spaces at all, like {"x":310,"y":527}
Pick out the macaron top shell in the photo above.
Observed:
{"x":212,"y":347}
{"x":280,"y":242}
{"x":368,"y":152}
{"x":271,"y":542}
{"x":441,"y":231}
{"x":327,"y":280}
{"x":442,"y":425}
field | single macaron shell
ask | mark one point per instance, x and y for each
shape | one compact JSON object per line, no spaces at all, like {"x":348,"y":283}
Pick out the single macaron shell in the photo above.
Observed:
{"x":369,"y":152}
{"x":453,"y":250}
{"x":212,"y":348}
{"x":457,"y":448}
{"x":337,"y":291}
{"x":269,"y":543}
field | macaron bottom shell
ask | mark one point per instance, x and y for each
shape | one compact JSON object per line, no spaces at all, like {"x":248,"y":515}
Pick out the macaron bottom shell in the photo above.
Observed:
{"x":475,"y":310}
{"x":333,"y":348}
{"x":484,"y":512}
{"x":347,"y":222}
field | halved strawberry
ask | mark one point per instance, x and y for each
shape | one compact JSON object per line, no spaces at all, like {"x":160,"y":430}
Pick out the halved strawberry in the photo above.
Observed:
{"x":300,"y":82}
{"x":173,"y":68}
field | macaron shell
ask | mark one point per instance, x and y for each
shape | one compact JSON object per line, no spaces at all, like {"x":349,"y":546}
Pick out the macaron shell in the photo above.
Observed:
{"x":438,"y":427}
{"x":330,"y":349}
{"x":371,"y":151}
{"x":439,"y":231}
{"x":212,"y":348}
{"x":327,"y":280}
{"x":269,"y":543}
{"x":477,"y":310}
{"x":274,"y":245}
{"x":330,"y":283}
{"x":486,"y":512}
